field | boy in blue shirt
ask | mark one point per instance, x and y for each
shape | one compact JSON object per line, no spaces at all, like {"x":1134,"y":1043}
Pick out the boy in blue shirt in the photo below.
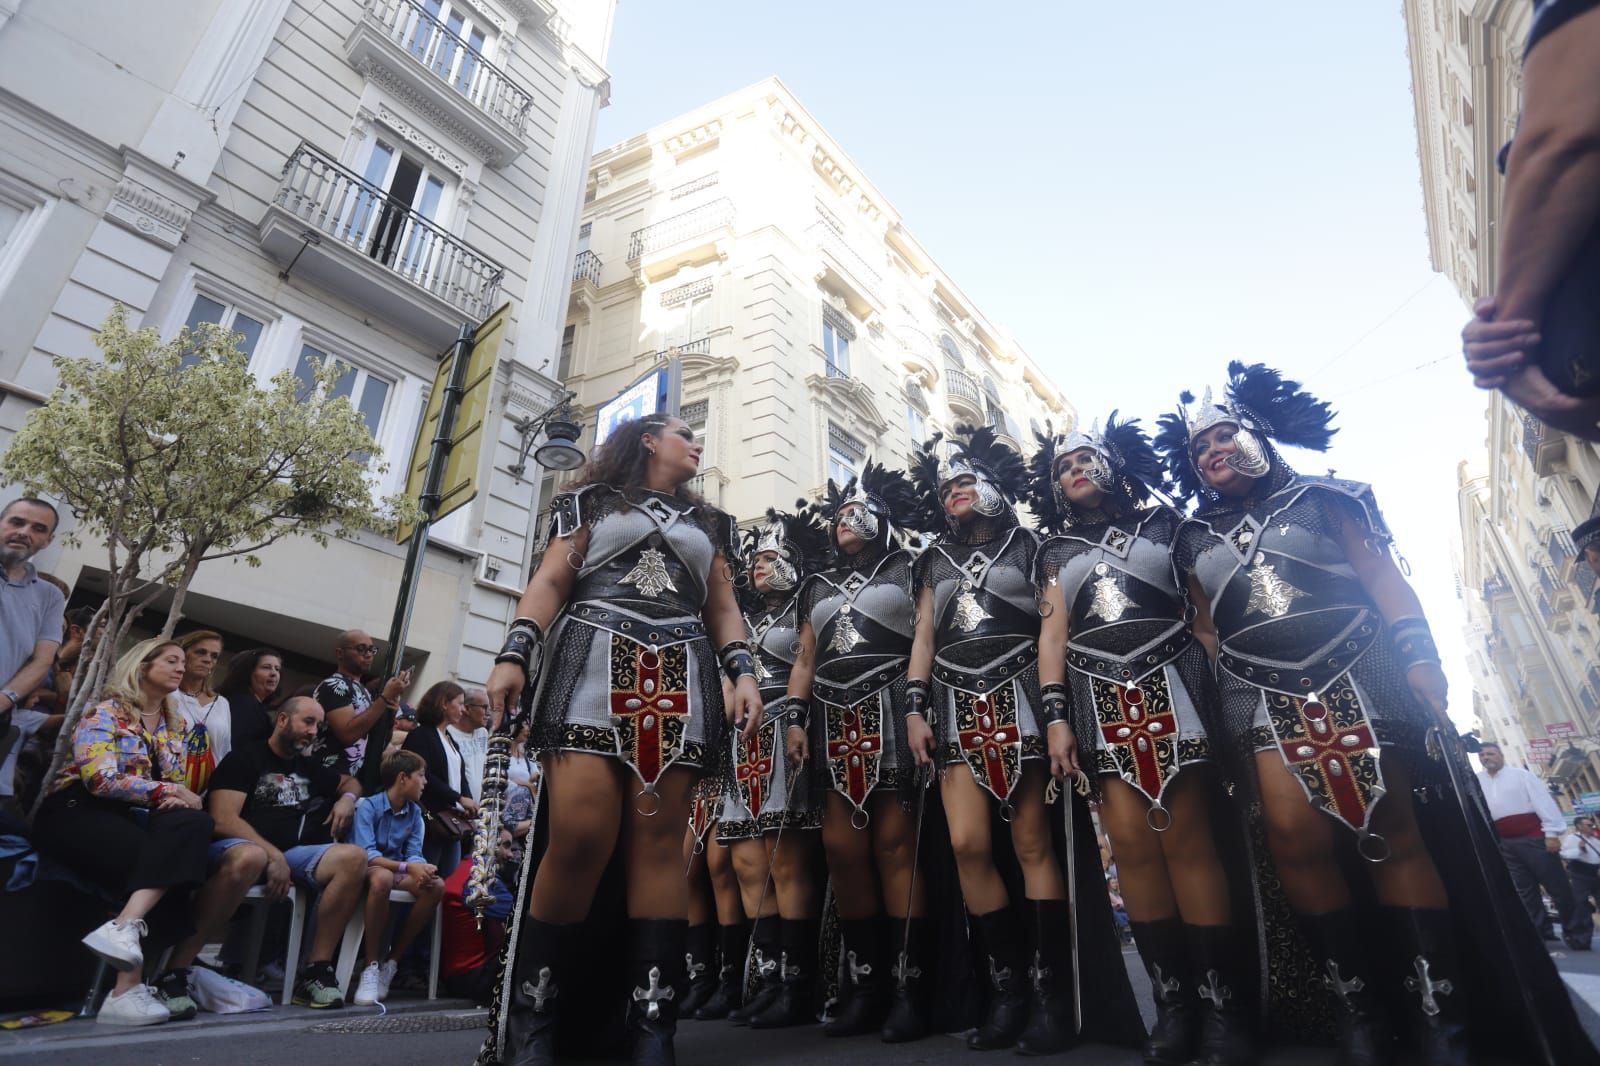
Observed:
{"x":389,"y":826}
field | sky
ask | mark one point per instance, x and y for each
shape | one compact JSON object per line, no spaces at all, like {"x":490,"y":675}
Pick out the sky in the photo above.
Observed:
{"x":1140,"y":193}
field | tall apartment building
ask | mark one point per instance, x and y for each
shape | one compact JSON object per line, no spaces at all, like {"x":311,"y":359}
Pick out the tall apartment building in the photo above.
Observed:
{"x":352,"y":179}
{"x":1532,"y":634}
{"x":812,"y":329}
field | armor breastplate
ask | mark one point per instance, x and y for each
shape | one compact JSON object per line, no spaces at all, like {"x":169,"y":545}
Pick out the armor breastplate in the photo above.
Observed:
{"x":650,"y":553}
{"x":1121,"y":597}
{"x":862,"y":624}
{"x":1291,"y":615}
{"x":777,"y":642}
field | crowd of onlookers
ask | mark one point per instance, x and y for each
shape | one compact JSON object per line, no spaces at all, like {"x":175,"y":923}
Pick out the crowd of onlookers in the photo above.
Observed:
{"x":192,"y":778}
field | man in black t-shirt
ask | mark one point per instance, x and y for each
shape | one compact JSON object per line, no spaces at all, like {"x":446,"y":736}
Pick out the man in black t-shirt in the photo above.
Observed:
{"x":277,"y":797}
{"x":351,"y":711}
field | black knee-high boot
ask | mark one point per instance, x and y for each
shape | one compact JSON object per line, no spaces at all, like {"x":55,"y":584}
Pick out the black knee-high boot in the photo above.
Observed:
{"x":536,"y":993}
{"x":729,"y":992}
{"x":1225,"y":1038}
{"x":865,"y":977}
{"x":1050,"y":1028}
{"x":1433,"y":991}
{"x":796,"y":1001}
{"x":764,"y":964}
{"x":700,"y":966}
{"x":1339,"y":942}
{"x":1008,"y":1000}
{"x":1165,"y":954}
{"x":656,"y":968}
{"x":908,"y":1012}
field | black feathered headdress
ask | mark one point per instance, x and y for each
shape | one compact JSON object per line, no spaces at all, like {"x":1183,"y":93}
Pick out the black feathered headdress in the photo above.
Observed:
{"x":1262,"y":403}
{"x":887,"y":495}
{"x":1131,"y":470}
{"x":800,"y":539}
{"x":976,"y":452}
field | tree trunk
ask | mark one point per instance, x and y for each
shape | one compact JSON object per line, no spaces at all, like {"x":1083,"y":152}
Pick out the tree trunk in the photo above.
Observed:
{"x":181,"y":590}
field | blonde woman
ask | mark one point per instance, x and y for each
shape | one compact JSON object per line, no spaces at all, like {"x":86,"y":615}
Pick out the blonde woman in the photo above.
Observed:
{"x":208,"y":722}
{"x":120,"y":815}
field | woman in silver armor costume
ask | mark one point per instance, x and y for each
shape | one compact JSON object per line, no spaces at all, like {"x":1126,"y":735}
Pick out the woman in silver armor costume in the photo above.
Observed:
{"x":769,"y":812}
{"x":633,"y":587}
{"x":1115,"y":647}
{"x":975,"y":711}
{"x":1332,"y":684}
{"x":847,"y":704}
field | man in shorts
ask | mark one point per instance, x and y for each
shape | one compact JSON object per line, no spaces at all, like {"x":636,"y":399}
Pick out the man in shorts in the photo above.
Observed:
{"x":276,"y":797}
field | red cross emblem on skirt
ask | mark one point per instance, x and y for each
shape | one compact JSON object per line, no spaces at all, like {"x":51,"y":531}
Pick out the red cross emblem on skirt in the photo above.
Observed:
{"x":990,"y":739}
{"x":649,"y":704}
{"x":855,"y":744}
{"x":1145,"y":735}
{"x":1333,"y":762}
{"x":754,"y":770}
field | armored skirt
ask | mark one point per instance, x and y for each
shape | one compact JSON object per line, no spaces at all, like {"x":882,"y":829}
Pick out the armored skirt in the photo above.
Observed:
{"x":1134,"y":672}
{"x":1307,"y":672}
{"x":766,"y":793}
{"x":861,"y":618}
{"x":631,"y":670}
{"x":984,"y":695}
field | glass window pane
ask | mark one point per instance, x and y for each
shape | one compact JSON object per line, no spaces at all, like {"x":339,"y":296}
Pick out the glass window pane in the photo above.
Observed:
{"x":432,"y":193}
{"x":345,"y":385}
{"x":205,"y":309}
{"x":373,"y":395}
{"x":377,"y":171}
{"x":249,"y":331}
{"x":303,"y":368}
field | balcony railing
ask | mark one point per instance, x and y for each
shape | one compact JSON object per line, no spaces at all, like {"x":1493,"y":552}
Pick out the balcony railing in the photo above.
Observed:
{"x":453,"y":61}
{"x":960,"y":386}
{"x":1543,"y":446}
{"x":1559,"y":545}
{"x":336,"y":205}
{"x":586,"y":268}
{"x":678,"y":228}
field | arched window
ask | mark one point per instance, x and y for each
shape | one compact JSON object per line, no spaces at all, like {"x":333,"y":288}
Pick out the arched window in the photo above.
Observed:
{"x":952,"y":353}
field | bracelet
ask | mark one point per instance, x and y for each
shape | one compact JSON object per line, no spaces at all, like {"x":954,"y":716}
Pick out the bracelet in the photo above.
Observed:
{"x":401,"y":873}
{"x":1413,"y":642}
{"x":797,"y":712}
{"x":917,"y":697}
{"x":524,"y":645}
{"x":737,"y":660}
{"x":1054,"y":697}
{"x":353,"y":795}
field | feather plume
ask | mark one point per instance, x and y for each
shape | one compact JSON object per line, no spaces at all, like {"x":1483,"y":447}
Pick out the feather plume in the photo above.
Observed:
{"x":1288,"y":413}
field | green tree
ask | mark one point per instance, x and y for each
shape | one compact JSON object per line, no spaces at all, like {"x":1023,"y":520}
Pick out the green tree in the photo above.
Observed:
{"x":171,"y":455}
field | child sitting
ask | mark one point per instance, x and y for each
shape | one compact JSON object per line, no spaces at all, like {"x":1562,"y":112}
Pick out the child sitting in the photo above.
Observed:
{"x":389,"y":826}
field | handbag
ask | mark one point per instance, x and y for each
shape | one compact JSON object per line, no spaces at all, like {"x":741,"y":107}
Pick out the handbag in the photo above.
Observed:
{"x":447,"y":826}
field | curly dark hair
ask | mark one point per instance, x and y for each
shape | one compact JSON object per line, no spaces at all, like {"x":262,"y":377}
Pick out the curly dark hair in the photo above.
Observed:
{"x":621,"y":462}
{"x":241,"y":668}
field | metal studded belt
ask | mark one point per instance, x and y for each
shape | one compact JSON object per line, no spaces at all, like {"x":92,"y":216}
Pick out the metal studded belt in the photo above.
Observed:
{"x":860,"y":689}
{"x":655,"y":633}
{"x":1123,"y":671}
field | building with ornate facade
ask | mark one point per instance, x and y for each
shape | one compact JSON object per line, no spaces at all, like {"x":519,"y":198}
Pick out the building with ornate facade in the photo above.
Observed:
{"x":812,"y":329}
{"x":1533,"y":637}
{"x":345,"y":179}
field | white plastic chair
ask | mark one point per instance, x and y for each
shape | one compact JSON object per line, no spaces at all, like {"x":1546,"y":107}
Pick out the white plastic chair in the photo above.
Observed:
{"x":351,"y":949}
{"x":300,"y":902}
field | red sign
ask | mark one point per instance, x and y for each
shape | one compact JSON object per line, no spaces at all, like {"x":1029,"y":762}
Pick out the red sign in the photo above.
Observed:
{"x":1561,"y":730}
{"x":1542,"y":749}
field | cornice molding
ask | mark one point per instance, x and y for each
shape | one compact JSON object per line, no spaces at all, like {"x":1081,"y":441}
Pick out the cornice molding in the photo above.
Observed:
{"x":154,"y":201}
{"x":851,"y":398}
{"x":390,"y":80}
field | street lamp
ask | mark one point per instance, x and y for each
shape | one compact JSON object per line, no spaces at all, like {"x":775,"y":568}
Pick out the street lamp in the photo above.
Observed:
{"x":560,"y":450}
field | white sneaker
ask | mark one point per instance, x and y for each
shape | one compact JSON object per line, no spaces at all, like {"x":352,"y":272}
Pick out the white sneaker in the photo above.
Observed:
{"x":370,"y":990}
{"x":137,"y":1006}
{"x":386,"y":974}
{"x":119,"y":944}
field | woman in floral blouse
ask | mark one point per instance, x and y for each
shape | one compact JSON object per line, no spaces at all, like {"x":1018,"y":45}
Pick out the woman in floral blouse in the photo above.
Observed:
{"x":119,"y":814}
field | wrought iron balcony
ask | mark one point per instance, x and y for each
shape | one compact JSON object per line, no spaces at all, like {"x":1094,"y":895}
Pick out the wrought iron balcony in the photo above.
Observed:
{"x":326,"y":222}
{"x":964,"y":390}
{"x":681,"y":229}
{"x":586,"y":268}
{"x":397,"y":42}
{"x":1544,"y":446}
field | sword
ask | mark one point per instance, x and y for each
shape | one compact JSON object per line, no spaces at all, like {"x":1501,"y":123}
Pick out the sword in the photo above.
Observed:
{"x":1072,"y":906}
{"x":924,"y":779}
{"x":777,"y":838}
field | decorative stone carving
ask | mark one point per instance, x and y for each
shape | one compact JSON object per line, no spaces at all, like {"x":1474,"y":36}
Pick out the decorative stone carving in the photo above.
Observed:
{"x":701,"y":135}
{"x":380,"y":74}
{"x":152,"y":202}
{"x":432,"y":148}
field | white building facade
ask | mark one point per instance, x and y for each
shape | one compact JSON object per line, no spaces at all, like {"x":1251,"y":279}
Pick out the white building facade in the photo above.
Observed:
{"x":1533,"y":637}
{"x":813,"y":330}
{"x":346,"y":179}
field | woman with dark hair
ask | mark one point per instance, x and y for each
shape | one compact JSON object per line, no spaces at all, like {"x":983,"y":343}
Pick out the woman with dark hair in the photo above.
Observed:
{"x":446,"y":789}
{"x":1332,"y":689}
{"x":847,"y":703}
{"x":635,"y":590}
{"x":1127,"y":696}
{"x":250,"y":686}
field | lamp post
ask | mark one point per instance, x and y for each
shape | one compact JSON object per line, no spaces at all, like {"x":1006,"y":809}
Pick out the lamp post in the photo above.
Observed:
{"x":560,"y":450}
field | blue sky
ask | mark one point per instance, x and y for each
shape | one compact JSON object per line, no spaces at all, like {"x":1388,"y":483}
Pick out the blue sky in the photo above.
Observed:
{"x":1141,"y":192}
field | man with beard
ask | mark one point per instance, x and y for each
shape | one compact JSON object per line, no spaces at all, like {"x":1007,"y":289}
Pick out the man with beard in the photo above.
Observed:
{"x":276,"y":797}
{"x":30,"y":625}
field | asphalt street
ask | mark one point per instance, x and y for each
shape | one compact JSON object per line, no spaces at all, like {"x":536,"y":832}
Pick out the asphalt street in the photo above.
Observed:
{"x":446,"y":1034}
